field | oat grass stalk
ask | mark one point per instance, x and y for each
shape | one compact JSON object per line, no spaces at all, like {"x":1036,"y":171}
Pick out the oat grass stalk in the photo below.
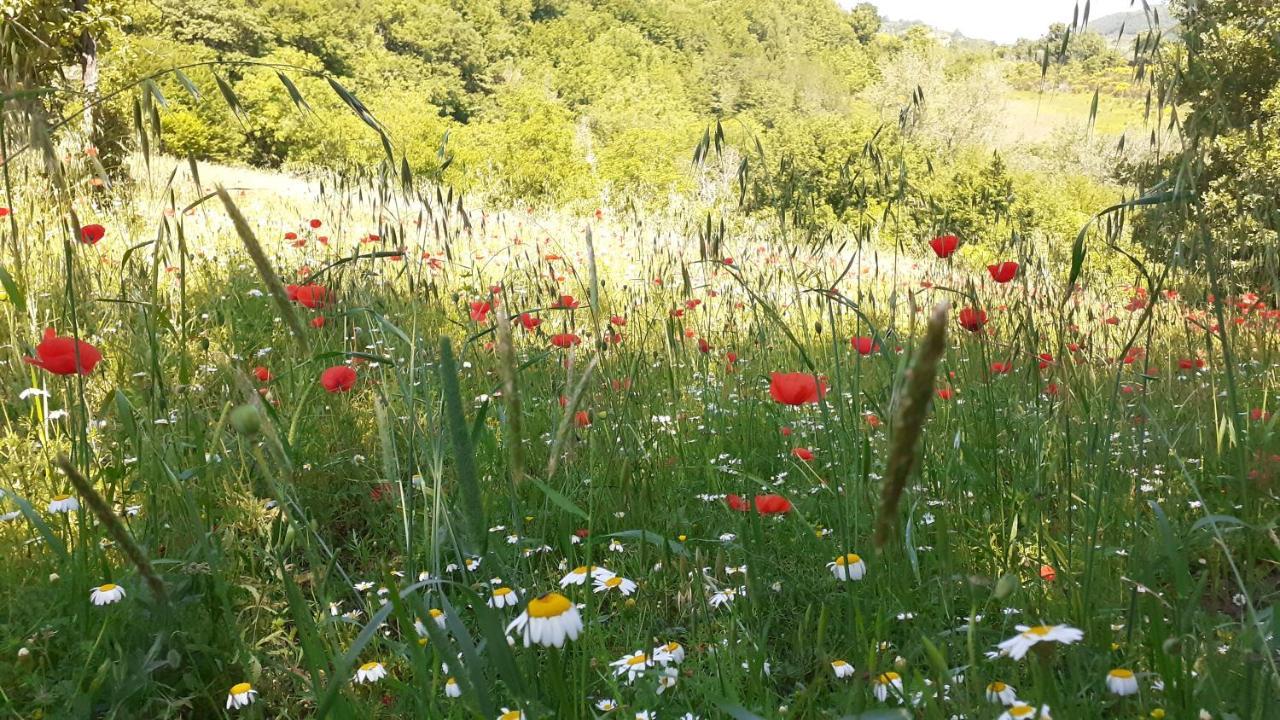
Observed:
{"x":115,"y":527}
{"x":909,"y":417}
{"x":263,"y":265}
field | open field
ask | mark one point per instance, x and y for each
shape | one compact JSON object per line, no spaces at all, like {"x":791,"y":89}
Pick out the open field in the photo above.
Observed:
{"x":358,"y":539}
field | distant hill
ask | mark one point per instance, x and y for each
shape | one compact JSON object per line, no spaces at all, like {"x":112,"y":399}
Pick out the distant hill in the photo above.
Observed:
{"x":953,"y":38}
{"x":1127,"y":25}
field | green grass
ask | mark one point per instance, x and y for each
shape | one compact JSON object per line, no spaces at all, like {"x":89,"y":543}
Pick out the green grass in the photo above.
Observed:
{"x":1147,"y":492}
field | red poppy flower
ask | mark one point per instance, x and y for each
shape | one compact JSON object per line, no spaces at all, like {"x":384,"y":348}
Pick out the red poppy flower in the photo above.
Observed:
{"x":58,"y":355}
{"x":529,"y":322}
{"x":864,"y":345}
{"x":618,"y":320}
{"x":735,"y":502}
{"x":731,"y":357}
{"x":582,"y":418}
{"x":338,"y":378}
{"x":873,"y":420}
{"x":703,"y":346}
{"x":263,"y":374}
{"x":582,"y":533}
{"x":315,"y":224}
{"x":1000,"y":368}
{"x":317,"y":321}
{"x":945,"y":393}
{"x":804,"y":454}
{"x":972,"y":319}
{"x":91,"y":234}
{"x":692,"y":304}
{"x":1051,"y":389}
{"x":291,"y":236}
{"x":565,"y":340}
{"x":4,"y":212}
{"x":1047,"y":573}
{"x":1258,"y":415}
{"x":310,"y":296}
{"x":944,"y":245}
{"x":796,"y":388}
{"x":566,"y":302}
{"x":727,"y":261}
{"x":772,"y":504}
{"x":480,"y":310}
{"x":1003,"y":272}
{"x":1046,"y":360}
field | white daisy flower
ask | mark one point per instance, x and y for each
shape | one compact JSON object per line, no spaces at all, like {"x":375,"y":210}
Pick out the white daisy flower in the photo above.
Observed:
{"x":547,"y":621}
{"x":1122,"y":682}
{"x":511,"y":715}
{"x":106,"y":594}
{"x":849,"y":566}
{"x":241,"y":695}
{"x":617,"y":582}
{"x":1017,"y":646}
{"x":667,"y":679}
{"x":885,"y":683}
{"x":632,"y":665}
{"x":670,"y":653}
{"x":370,"y":672}
{"x":998,"y":692}
{"x":1023,"y":711}
{"x":606,"y":704}
{"x":63,"y":504}
{"x":842,"y":669}
{"x":503,"y":597}
{"x":451,"y":688}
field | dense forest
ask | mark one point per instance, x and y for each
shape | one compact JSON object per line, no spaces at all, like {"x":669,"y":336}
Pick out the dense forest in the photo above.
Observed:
{"x":818,"y":115}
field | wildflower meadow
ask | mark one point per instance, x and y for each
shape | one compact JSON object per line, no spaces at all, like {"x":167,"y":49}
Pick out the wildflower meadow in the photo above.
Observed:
{"x":344,"y":440}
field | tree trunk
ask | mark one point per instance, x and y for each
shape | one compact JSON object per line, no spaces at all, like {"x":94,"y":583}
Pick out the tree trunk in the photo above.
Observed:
{"x":88,"y":47}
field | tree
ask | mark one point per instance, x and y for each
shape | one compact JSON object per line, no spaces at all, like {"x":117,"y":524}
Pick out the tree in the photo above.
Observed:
{"x":864,"y":18}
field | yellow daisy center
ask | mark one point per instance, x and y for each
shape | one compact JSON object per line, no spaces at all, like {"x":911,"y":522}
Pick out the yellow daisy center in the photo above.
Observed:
{"x":502,"y":591}
{"x":850,"y":559}
{"x":613,"y":582}
{"x":368,"y":666}
{"x":839,"y":663}
{"x":997,"y":686}
{"x":513,"y":715}
{"x":638,"y":659}
{"x":1039,"y":631}
{"x":451,"y":681}
{"x":1121,"y":674}
{"x":107,"y":588}
{"x":60,"y":498}
{"x":549,"y":605}
{"x":241,"y":688}
{"x":436,"y":613}
{"x":1022,"y":711}
{"x":580,"y":570}
{"x":671,"y":646}
{"x":887,"y":678}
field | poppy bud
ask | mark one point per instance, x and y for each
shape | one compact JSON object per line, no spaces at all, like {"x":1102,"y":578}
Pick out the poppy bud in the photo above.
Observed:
{"x":1006,"y":586}
{"x":246,"y":420}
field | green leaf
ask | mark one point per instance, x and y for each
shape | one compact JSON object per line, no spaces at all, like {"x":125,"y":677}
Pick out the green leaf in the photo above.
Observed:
{"x":41,"y":526}
{"x":558,"y":499}
{"x":229,"y":95}
{"x":298,"y":101}
{"x":11,"y":289}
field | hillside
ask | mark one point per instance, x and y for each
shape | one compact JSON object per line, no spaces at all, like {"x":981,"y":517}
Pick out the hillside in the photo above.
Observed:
{"x":1124,"y":26}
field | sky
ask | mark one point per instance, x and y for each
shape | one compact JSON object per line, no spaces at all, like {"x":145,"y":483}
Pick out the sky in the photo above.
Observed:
{"x":1000,"y":20}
